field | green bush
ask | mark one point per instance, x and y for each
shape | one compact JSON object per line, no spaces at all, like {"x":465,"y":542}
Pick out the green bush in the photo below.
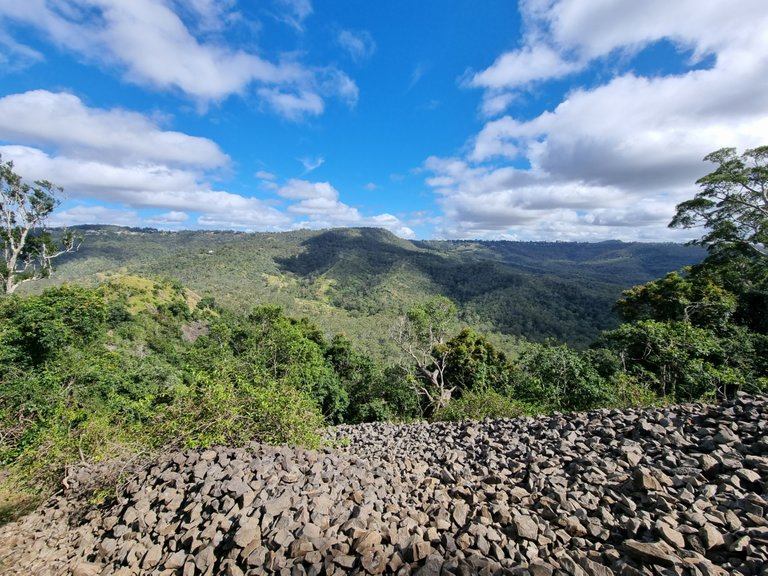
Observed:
{"x":224,"y":408}
{"x":477,"y":404}
{"x":558,"y":378}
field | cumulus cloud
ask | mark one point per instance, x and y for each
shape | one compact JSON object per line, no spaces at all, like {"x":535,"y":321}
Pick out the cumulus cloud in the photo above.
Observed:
{"x":121,"y":158}
{"x":319,"y":203}
{"x":90,"y":214}
{"x":514,"y":69}
{"x":172,"y":218}
{"x":612,"y":159}
{"x":153,"y":46}
{"x":126,"y":161}
{"x":145,"y":186}
{"x":64,"y":122}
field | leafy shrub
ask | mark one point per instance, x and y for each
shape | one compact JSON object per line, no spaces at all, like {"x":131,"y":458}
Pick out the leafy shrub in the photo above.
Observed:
{"x":224,"y":408}
{"x":477,"y":404}
{"x":561,"y":379}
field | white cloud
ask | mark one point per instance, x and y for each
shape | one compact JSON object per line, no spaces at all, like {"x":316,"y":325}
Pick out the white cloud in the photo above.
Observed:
{"x":311,"y":163}
{"x":319,"y":203}
{"x":121,"y":158}
{"x":518,"y":68}
{"x":294,"y":12}
{"x":150,"y":43}
{"x":360,"y":45}
{"x":172,"y":218}
{"x":292,"y":105}
{"x":304,"y":190}
{"x":15,"y":56}
{"x":62,"y":121}
{"x":90,"y":214}
{"x":210,"y":15}
{"x":417,"y":74}
{"x":612,"y":159}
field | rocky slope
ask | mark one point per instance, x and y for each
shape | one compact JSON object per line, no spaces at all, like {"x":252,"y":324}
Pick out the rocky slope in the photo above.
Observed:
{"x":679,"y":490}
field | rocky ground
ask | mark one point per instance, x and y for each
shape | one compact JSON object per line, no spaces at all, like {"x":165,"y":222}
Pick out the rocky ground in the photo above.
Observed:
{"x":679,"y":490}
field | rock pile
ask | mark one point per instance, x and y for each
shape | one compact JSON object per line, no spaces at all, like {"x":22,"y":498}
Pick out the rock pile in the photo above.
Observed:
{"x":679,"y":490}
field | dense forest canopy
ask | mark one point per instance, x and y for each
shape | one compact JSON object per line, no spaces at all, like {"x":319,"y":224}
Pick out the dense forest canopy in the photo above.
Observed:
{"x":353,"y":281}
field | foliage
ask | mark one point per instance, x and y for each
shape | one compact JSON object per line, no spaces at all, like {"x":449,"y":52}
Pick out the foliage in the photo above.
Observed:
{"x":28,"y":251}
{"x":560,"y":378}
{"x":36,"y":328}
{"x":475,"y":364}
{"x":732,"y":204}
{"x":376,"y":394}
{"x":693,"y":298}
{"x":421,"y":335}
{"x":92,"y":374}
{"x":478,"y":404}
{"x":220,"y":406}
{"x":354,"y":281}
{"x":675,"y":359}
{"x":134,"y":364}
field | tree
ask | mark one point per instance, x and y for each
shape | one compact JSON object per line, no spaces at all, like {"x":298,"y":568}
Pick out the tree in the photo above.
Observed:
{"x":677,"y":360}
{"x":28,"y":250}
{"x":732,"y":203}
{"x":375,"y":394}
{"x":560,"y":378}
{"x":693,"y":298}
{"x":475,"y":364}
{"x":421,"y":334}
{"x":733,"y":207}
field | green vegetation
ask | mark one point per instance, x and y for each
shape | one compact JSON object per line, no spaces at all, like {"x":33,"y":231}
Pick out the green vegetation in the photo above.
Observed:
{"x":28,"y":250}
{"x":358,"y":282}
{"x":129,"y":365}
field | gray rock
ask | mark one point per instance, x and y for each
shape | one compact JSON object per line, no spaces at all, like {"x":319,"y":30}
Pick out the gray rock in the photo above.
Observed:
{"x":650,"y":552}
{"x":575,"y":494}
{"x":526,"y":527}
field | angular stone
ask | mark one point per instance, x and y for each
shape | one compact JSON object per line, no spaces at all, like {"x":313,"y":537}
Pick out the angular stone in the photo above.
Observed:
{"x":205,"y":558}
{"x":419,"y":550}
{"x":650,"y":552}
{"x":643,"y":480}
{"x":247,"y":533}
{"x":374,"y":560}
{"x":301,"y":547}
{"x":526,"y":527}
{"x":152,"y":557}
{"x":344,"y":560}
{"x":592,"y":568}
{"x":711,"y":537}
{"x":86,"y":569}
{"x":460,"y":512}
{"x":569,"y":565}
{"x":540,"y":568}
{"x":176,"y":560}
{"x":367,"y":540}
{"x":671,"y":536}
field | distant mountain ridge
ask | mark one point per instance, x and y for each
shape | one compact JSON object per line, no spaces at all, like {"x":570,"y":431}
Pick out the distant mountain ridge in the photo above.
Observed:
{"x":356,"y":280}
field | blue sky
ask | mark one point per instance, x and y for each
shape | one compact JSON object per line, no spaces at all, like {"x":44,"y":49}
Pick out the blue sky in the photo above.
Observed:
{"x":532,"y":120}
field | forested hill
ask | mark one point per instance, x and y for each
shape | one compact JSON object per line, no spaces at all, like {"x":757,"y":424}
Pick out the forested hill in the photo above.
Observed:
{"x":356,"y":281}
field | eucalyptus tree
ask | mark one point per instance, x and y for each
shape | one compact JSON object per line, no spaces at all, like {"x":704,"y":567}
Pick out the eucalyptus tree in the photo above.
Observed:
{"x":732,"y":203}
{"x":28,"y":250}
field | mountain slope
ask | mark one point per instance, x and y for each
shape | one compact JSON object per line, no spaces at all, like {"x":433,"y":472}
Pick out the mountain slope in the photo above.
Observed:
{"x":357,"y":280}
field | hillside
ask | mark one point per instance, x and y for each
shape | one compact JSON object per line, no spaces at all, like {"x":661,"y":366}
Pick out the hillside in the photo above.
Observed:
{"x":357,"y":280}
{"x":678,"y":490}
